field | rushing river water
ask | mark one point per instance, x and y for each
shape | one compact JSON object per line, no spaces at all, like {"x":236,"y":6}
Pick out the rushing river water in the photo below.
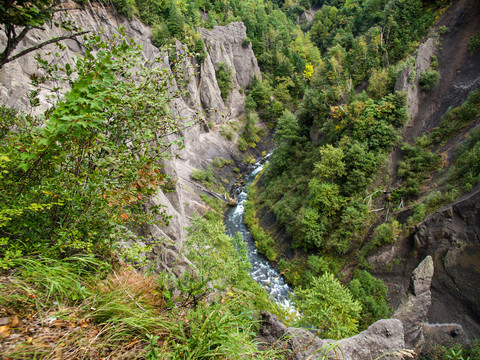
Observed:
{"x":262,"y":271}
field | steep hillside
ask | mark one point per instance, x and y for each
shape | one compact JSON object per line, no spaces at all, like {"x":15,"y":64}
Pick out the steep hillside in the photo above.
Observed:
{"x":451,"y":235}
{"x":360,"y":186}
{"x":202,"y":103}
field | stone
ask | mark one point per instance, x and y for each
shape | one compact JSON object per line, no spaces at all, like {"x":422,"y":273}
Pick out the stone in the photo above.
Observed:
{"x":414,"y":307}
{"x":382,"y":337}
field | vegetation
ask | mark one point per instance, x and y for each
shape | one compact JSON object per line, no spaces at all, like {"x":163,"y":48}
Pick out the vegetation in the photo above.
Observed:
{"x":474,"y":43}
{"x":220,"y":162}
{"x":21,"y":16}
{"x":132,"y":315}
{"x":224,"y":79}
{"x":328,"y":307}
{"x":63,"y":179}
{"x":429,"y":79}
{"x":66,"y":201}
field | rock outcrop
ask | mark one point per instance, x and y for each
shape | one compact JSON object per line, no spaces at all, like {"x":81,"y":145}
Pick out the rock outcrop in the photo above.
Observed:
{"x":412,"y":311}
{"x":452,"y":237}
{"x":202,"y":142}
{"x":407,"y":331}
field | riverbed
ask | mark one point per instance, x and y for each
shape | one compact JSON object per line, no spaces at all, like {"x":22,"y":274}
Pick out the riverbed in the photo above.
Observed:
{"x":263,"y":272}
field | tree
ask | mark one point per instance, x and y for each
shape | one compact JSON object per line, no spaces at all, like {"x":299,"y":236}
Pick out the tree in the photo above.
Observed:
{"x":331,"y":165}
{"x":18,"y":17}
{"x":175,"y":20}
{"x":80,"y":179}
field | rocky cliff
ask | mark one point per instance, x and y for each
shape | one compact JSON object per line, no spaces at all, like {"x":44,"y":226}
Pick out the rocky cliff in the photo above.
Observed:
{"x":203,"y":141}
{"x":450,"y":235}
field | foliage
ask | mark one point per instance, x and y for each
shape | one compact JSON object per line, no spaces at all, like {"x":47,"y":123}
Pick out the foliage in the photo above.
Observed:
{"x":63,"y":179}
{"x":429,"y":79}
{"x":467,"y":167}
{"x":436,"y":199}
{"x":372,"y":294}
{"x":220,"y":162}
{"x":416,"y":166}
{"x":265,"y":243}
{"x":251,"y":132}
{"x":227,"y":132}
{"x":474,"y":43}
{"x":224,"y":79}
{"x":122,"y":307}
{"x":456,"y":119}
{"x":385,"y":233}
{"x":20,"y":16}
{"x":205,"y":176}
{"x":458,"y":352}
{"x":329,"y":307}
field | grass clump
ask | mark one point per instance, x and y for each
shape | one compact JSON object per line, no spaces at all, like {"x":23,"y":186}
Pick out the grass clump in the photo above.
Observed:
{"x":220,"y":162}
{"x":454,"y":120}
{"x":227,"y":132}
{"x":467,"y":168}
{"x":84,"y":308}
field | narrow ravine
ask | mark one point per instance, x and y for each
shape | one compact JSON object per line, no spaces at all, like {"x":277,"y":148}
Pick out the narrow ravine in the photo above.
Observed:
{"x":262,"y":270}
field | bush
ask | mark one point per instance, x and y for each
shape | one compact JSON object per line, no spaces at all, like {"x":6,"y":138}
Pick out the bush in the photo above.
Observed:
{"x":372,"y":294}
{"x":329,"y":307}
{"x":467,"y":167}
{"x":417,"y":164}
{"x":242,"y":144}
{"x":160,"y":35}
{"x":227,"y":132}
{"x":429,"y":79}
{"x":386,"y":233}
{"x":474,"y":43}
{"x":224,"y":79}
{"x":220,"y":162}
{"x":204,"y":176}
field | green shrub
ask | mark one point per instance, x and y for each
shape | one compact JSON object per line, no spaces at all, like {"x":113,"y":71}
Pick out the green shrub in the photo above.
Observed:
{"x":429,"y":79}
{"x":67,"y":171}
{"x":372,"y":294}
{"x":437,"y":199}
{"x":386,"y":233}
{"x":474,"y":43}
{"x":467,"y":166}
{"x":417,"y":165}
{"x":227,"y":132}
{"x":220,"y":162}
{"x":419,"y":213}
{"x":454,"y":120}
{"x":200,"y":51}
{"x":329,"y":307}
{"x":442,"y":30}
{"x":224,"y":79}
{"x":242,"y":144}
{"x":204,"y":176}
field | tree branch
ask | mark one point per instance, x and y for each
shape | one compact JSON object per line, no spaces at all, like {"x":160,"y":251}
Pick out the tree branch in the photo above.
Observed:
{"x":38,"y":46}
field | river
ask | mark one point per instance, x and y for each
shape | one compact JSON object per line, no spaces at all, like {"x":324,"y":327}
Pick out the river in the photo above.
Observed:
{"x":262,"y":271}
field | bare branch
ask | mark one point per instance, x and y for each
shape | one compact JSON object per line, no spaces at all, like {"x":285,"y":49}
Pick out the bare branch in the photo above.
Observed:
{"x":38,"y":46}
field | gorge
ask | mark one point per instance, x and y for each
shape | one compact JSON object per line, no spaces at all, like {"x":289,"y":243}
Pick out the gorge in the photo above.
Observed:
{"x":372,"y":109}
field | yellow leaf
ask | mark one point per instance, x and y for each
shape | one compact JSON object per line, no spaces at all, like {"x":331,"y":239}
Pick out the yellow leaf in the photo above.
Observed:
{"x":4,"y":331}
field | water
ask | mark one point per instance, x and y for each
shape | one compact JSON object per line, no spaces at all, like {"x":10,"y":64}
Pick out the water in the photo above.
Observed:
{"x":262,"y":271}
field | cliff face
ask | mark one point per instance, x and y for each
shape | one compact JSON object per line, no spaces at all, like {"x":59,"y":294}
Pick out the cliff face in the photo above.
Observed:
{"x":202,"y":142}
{"x":450,"y":235}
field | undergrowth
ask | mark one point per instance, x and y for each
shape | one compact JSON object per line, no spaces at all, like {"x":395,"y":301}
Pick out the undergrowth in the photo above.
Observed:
{"x":82,"y":307}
